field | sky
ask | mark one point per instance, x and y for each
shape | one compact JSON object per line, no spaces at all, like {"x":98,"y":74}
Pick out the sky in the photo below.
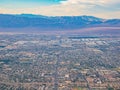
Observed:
{"x":98,"y":8}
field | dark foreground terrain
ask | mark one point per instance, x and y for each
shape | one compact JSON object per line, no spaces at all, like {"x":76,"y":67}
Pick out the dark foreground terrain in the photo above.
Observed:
{"x":59,"y":62}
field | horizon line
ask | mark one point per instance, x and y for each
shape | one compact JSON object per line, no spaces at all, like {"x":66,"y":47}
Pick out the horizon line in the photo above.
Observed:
{"x":54,"y":15}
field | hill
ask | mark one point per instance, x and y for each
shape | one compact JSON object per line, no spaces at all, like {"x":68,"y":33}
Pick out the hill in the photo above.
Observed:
{"x":38,"y":22}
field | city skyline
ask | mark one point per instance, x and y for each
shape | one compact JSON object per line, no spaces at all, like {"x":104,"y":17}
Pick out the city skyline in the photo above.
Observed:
{"x":103,"y":9}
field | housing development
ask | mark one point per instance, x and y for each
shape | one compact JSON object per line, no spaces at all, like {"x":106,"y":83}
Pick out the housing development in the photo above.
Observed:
{"x":59,"y":62}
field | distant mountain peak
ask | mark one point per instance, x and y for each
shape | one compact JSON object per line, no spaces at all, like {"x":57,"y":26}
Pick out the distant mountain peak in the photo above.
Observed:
{"x":31,"y":15}
{"x":56,"y":22}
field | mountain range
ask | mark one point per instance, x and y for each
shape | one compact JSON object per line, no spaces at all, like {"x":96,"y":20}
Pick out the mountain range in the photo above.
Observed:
{"x":40,"y":22}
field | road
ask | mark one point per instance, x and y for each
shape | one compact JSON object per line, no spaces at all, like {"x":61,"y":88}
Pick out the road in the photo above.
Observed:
{"x":56,"y":73}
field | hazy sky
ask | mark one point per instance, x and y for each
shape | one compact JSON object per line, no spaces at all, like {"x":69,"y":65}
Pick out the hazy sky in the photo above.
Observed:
{"x":99,"y":8}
